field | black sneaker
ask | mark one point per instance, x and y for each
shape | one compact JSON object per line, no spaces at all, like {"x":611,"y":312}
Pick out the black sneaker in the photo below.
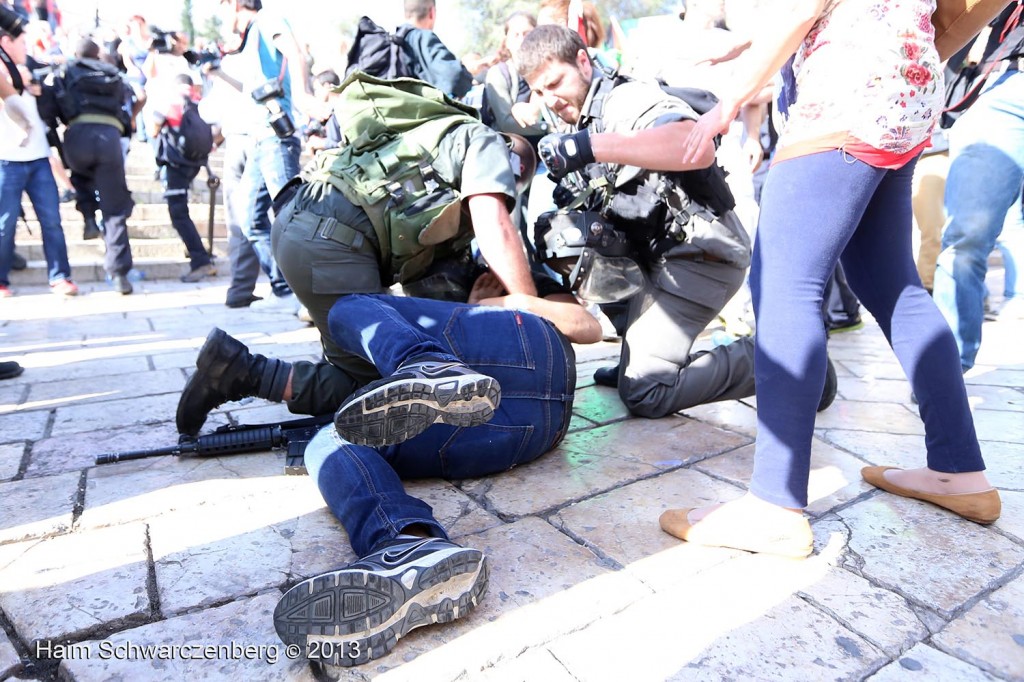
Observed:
{"x":828,"y":393}
{"x":607,"y":376}
{"x":358,"y":613}
{"x":838,"y":325}
{"x":396,"y":408}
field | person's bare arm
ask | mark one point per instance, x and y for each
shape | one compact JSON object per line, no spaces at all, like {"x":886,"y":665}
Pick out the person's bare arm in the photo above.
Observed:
{"x":787,"y":25}
{"x":302,"y":93}
{"x":562,"y":310}
{"x":659,"y":148}
{"x":500,"y":243}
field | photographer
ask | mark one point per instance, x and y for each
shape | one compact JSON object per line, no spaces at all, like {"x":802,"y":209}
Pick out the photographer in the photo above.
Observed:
{"x":272,"y":75}
{"x":25,"y":165}
{"x":692,"y":250}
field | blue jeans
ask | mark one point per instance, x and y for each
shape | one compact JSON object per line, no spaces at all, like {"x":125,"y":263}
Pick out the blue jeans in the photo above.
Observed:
{"x":815,"y":209}
{"x":272,"y":163}
{"x":533,"y":363}
{"x":36,"y":179}
{"x":986,"y":171}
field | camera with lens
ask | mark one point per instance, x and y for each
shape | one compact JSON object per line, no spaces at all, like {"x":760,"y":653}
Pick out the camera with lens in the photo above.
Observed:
{"x":11,"y":22}
{"x":199,"y":58}
{"x":163,"y":41}
{"x":269,"y":95}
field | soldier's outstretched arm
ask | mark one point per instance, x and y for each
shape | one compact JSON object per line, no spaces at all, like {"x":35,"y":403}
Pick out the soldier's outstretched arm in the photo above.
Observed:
{"x":500,"y":242}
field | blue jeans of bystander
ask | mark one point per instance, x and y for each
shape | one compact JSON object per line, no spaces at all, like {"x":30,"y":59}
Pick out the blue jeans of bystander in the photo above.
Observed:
{"x":36,"y":179}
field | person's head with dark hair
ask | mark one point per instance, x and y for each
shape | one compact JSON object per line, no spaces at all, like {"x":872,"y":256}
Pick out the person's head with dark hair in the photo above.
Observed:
{"x":555,"y":62}
{"x":421,"y":13}
{"x":87,"y":49}
{"x":517,"y":25}
{"x":329,"y":77}
{"x":236,"y":15}
{"x":324,"y":84}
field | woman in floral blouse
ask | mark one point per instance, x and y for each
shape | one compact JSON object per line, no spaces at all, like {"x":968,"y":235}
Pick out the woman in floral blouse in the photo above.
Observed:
{"x":860,"y":90}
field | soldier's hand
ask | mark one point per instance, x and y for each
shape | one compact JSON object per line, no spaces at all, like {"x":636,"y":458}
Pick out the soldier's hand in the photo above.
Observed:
{"x":565,"y":153}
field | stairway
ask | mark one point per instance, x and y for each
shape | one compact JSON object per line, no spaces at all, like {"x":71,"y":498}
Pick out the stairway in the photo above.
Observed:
{"x":157,"y":250}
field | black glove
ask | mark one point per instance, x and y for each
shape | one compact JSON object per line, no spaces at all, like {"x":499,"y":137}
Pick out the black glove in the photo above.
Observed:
{"x":563,"y":154}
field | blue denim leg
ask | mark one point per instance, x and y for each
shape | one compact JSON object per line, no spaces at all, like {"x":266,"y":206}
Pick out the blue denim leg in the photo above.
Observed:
{"x":814,"y":209}
{"x":1011,"y":246}
{"x":13,"y":176}
{"x":986,"y":171}
{"x":363,"y":491}
{"x":273,"y":162}
{"x":42,"y":192}
{"x":531,"y":361}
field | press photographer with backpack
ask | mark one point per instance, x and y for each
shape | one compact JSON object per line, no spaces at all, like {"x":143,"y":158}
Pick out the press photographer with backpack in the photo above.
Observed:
{"x":271,"y":76}
{"x":184,"y":141}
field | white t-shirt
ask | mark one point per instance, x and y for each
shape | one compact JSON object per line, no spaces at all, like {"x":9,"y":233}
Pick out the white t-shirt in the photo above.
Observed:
{"x":11,"y":134}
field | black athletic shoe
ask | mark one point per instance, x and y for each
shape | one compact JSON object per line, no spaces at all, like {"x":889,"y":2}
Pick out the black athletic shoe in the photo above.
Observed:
{"x":358,"y":613}
{"x":607,"y":376}
{"x":847,"y":323}
{"x":396,"y":408}
{"x":828,"y":393}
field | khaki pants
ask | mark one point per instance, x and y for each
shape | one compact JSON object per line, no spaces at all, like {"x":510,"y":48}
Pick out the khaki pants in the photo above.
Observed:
{"x":928,"y":188}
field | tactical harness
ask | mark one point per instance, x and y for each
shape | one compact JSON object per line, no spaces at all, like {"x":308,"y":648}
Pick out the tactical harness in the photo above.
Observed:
{"x":657,"y":210}
{"x":392,"y":130}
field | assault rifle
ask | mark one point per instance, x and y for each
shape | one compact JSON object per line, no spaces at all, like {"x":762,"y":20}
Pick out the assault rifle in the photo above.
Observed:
{"x":238,"y":439}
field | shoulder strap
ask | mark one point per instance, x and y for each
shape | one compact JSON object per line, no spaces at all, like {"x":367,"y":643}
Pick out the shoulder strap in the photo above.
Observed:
{"x":12,"y":69}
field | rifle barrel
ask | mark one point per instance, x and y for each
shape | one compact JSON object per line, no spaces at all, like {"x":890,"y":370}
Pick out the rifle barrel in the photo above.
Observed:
{"x":111,"y":457}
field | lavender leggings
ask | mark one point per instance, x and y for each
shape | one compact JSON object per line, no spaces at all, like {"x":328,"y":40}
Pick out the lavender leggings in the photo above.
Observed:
{"x":815,"y":210}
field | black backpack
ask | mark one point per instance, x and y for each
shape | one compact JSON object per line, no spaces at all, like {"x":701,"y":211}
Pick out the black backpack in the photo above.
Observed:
{"x":380,"y":53}
{"x":190,"y":143}
{"x":89,"y":86}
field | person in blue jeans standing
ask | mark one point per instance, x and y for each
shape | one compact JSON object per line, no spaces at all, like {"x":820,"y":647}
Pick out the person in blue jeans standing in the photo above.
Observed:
{"x":986,"y":172}
{"x":507,"y":373}
{"x":25,"y":168}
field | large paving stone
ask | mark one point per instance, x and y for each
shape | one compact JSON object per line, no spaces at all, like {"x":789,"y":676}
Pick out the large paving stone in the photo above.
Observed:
{"x":10,"y":661}
{"x":231,"y":642}
{"x":65,"y":366}
{"x":148,"y":488}
{"x":10,"y":460}
{"x":731,"y":415}
{"x":876,"y":369}
{"x":623,"y":525}
{"x":875,"y":390}
{"x":99,"y":390}
{"x":534,"y":664}
{"x":33,"y":508}
{"x":995,"y":398}
{"x":1011,"y":519}
{"x":115,"y":414}
{"x":835,"y":475}
{"x":453,"y":509}
{"x":592,"y":461}
{"x":1000,"y":426}
{"x":927,"y":554}
{"x":862,"y":416}
{"x":69,"y":584}
{"x":988,"y":376}
{"x":991,"y":634}
{"x":925,"y":663}
{"x":74,"y":452}
{"x":738,"y":620}
{"x":542,"y":585}
{"x":22,"y":426}
{"x":881,"y":617}
{"x":599,"y":404}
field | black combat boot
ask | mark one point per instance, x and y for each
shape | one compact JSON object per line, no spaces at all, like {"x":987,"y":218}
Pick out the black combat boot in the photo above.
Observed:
{"x":92,"y":229}
{"x":226,"y":370}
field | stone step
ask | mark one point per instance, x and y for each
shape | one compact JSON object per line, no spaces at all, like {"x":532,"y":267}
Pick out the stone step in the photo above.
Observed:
{"x":92,"y":251}
{"x":92,"y":271}
{"x":137,"y":229}
{"x":143,"y":211}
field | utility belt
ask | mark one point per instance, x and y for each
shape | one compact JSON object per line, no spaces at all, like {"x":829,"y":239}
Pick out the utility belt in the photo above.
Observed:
{"x":324,"y":227}
{"x":101,"y":119}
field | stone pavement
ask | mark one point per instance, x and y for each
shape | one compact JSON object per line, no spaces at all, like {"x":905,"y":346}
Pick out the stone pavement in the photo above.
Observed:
{"x":99,"y":562}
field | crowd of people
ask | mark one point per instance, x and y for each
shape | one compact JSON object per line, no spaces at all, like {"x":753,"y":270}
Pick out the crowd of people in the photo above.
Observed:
{"x":571,"y":180}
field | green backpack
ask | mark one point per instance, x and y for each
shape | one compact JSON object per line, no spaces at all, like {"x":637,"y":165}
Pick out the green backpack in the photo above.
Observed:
{"x":391,"y":133}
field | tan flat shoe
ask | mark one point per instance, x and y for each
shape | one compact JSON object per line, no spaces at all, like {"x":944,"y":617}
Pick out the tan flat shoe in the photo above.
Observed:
{"x":751,"y":529}
{"x":981,"y":507}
